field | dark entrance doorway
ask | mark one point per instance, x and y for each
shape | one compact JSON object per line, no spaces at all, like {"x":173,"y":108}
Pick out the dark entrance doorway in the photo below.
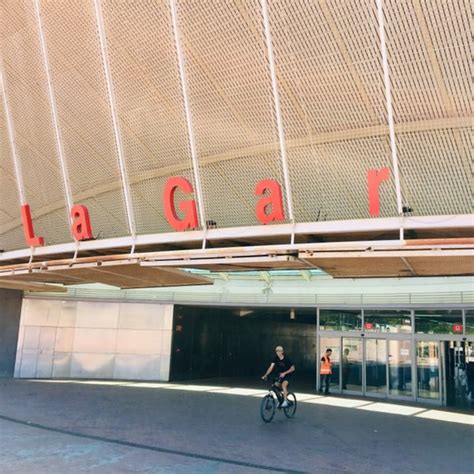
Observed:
{"x":237,"y":344}
{"x":459,"y":374}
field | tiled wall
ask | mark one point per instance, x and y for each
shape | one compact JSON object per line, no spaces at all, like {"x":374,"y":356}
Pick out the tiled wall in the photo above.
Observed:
{"x":88,"y":339}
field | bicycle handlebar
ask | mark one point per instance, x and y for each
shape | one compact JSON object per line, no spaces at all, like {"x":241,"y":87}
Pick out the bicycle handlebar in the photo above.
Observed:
{"x":273,"y":379}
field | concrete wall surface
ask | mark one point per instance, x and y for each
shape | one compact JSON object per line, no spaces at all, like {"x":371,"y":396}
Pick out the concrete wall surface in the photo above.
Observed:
{"x":10,"y":310}
{"x":88,"y":339}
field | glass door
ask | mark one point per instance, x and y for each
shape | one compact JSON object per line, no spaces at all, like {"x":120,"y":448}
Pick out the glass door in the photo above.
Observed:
{"x":388,"y":368}
{"x":351,"y":364}
{"x":380,"y":366}
{"x":427,"y":370}
{"x":458,"y":373}
{"x":399,"y":368}
{"x":376,"y":367}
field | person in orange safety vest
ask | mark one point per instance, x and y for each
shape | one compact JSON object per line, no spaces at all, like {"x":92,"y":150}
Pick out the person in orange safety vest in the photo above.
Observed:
{"x":325,"y":371}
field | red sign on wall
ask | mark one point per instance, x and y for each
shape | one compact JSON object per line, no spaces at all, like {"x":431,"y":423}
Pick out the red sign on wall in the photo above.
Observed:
{"x":369,"y":326}
{"x":457,"y":328}
{"x":268,"y":209}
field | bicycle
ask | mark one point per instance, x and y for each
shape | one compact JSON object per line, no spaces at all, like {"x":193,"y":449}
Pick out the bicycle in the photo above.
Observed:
{"x":269,"y":402}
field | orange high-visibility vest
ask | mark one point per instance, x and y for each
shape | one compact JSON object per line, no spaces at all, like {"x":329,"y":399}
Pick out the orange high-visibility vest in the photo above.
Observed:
{"x":326,"y":366}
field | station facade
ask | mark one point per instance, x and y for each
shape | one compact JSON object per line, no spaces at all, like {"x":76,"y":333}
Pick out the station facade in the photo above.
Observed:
{"x":172,"y":144}
{"x":389,"y":339}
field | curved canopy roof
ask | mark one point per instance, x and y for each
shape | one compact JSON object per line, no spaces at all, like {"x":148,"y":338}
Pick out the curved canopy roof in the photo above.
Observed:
{"x":103,"y":101}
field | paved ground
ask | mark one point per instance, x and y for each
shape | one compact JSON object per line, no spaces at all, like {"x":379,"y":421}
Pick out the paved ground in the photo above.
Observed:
{"x":70,"y":427}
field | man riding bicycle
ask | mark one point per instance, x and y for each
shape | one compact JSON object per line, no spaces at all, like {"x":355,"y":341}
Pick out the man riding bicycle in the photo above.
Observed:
{"x":284,"y":367}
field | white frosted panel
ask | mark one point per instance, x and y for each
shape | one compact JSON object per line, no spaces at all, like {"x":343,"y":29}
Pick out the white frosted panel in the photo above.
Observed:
{"x":130,"y":341}
{"x":24,"y":310}
{"x":67,"y":317}
{"x":166,"y":343}
{"x":137,"y":367}
{"x":44,"y":366}
{"x":64,"y":339}
{"x":28,"y":364}
{"x":31,"y":338}
{"x":16,"y":374}
{"x":41,"y":313}
{"x":21,"y":335}
{"x":95,"y":340}
{"x":97,"y":314}
{"x":62,"y":365}
{"x":47,"y":338}
{"x":165,"y":368}
{"x":168,"y":313}
{"x":99,"y":366}
{"x":140,"y":316}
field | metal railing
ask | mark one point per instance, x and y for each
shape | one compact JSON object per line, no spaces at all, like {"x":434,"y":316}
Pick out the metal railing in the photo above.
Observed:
{"x":281,"y":299}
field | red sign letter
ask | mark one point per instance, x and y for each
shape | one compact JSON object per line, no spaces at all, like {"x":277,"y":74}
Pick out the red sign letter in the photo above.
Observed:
{"x":188,"y":207}
{"x":81,"y":226}
{"x":274,"y":200}
{"x":375,"y":177}
{"x":30,"y":237}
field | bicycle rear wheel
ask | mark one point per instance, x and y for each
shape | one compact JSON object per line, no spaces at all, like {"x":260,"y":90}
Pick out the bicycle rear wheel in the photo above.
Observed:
{"x":290,"y":410}
{"x":267,"y":408}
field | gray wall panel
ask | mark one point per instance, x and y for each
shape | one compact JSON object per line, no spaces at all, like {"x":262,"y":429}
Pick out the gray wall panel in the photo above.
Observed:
{"x":10,"y":310}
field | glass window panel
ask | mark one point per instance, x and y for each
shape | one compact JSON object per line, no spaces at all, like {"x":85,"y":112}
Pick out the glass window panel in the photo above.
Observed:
{"x":376,"y":365}
{"x":351,"y":364}
{"x":399,"y":368}
{"x":458,"y":365}
{"x":340,"y":320}
{"x":387,"y":321}
{"x":427,"y":367}
{"x":470,"y":321}
{"x":438,"y":322}
{"x":333,"y":343}
{"x":470,"y":373}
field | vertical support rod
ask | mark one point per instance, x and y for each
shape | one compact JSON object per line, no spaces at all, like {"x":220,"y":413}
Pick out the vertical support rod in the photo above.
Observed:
{"x":115,"y":121}
{"x":54,"y":112}
{"x":187,"y":111}
{"x":388,"y":96}
{"x":318,"y":349}
{"x":11,"y":138}
{"x":276,"y":100}
{"x":413,"y":343}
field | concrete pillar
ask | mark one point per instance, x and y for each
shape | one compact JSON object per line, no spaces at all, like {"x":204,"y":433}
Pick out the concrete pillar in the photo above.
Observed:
{"x":10,"y":310}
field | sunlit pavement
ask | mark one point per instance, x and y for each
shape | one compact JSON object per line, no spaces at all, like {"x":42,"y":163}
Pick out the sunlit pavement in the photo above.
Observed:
{"x":345,"y":402}
{"x":118,"y":426}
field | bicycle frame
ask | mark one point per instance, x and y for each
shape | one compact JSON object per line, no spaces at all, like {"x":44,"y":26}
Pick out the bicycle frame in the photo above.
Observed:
{"x":277,"y":391}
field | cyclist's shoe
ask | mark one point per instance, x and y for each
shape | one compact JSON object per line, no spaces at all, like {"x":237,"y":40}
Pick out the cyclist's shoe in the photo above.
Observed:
{"x":285,"y":404}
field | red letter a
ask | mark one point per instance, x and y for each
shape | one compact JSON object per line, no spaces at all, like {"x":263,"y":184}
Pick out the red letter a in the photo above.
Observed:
{"x":375,"y":177}
{"x":274,"y":200}
{"x":81,"y":226}
{"x":30,"y":237}
{"x":189,"y":207}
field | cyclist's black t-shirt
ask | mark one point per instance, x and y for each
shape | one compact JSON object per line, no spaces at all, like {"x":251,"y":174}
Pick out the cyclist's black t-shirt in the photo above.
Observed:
{"x":282,"y":365}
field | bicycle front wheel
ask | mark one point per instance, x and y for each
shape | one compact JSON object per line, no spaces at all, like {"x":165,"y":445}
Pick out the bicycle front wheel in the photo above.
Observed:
{"x":267,"y":408}
{"x":290,"y":410}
